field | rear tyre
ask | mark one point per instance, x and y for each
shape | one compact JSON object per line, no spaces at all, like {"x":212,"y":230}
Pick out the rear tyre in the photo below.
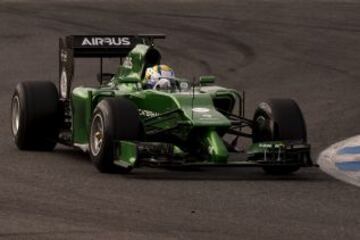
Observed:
{"x":113,"y":119}
{"x":279,"y":119}
{"x":34,"y":116}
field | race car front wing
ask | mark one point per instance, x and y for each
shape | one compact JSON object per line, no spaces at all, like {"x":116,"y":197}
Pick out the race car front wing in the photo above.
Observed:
{"x":135,"y":154}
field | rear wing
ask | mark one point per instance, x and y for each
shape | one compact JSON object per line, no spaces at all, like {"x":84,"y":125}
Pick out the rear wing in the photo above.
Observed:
{"x":95,"y":46}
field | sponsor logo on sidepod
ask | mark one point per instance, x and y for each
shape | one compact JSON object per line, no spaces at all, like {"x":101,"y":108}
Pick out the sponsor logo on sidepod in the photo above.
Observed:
{"x":106,"y":41}
{"x":148,"y":113}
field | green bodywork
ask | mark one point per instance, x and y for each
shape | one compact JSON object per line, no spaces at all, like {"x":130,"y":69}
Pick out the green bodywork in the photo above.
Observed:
{"x":126,"y":154}
{"x":184,"y":114}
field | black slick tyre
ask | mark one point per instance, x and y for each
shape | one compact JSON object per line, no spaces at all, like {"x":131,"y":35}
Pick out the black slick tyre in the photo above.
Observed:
{"x":276,"y":120}
{"x":34,"y":116}
{"x":113,"y":119}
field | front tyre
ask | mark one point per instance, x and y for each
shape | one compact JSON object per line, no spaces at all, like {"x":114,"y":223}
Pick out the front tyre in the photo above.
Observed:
{"x":113,"y":119}
{"x":276,"y":120}
{"x":34,"y":116}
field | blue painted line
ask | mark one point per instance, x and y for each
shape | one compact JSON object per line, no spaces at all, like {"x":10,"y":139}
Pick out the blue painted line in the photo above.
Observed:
{"x":349,"y":150}
{"x":348,"y":166}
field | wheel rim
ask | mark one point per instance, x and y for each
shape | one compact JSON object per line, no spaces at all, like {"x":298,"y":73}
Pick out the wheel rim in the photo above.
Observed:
{"x":15,"y":115}
{"x":97,"y":134}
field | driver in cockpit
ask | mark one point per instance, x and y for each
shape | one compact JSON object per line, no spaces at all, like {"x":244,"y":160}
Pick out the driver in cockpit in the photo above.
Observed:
{"x":158,"y":77}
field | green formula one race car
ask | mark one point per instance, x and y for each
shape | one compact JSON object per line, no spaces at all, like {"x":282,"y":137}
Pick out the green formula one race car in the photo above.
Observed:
{"x":124,"y":123}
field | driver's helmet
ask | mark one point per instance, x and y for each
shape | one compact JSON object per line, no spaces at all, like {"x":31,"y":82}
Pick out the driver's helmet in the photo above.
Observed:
{"x":159,"y":77}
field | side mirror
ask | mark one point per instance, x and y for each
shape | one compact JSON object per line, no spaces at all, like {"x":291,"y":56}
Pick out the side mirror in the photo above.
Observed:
{"x":104,"y":77}
{"x":205,"y":80}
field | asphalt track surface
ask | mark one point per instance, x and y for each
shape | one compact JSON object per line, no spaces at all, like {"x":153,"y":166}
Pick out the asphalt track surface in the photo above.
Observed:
{"x":307,"y":50}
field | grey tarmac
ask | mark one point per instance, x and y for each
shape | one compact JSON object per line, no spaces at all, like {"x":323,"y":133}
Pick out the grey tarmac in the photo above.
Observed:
{"x":306,"y":50}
